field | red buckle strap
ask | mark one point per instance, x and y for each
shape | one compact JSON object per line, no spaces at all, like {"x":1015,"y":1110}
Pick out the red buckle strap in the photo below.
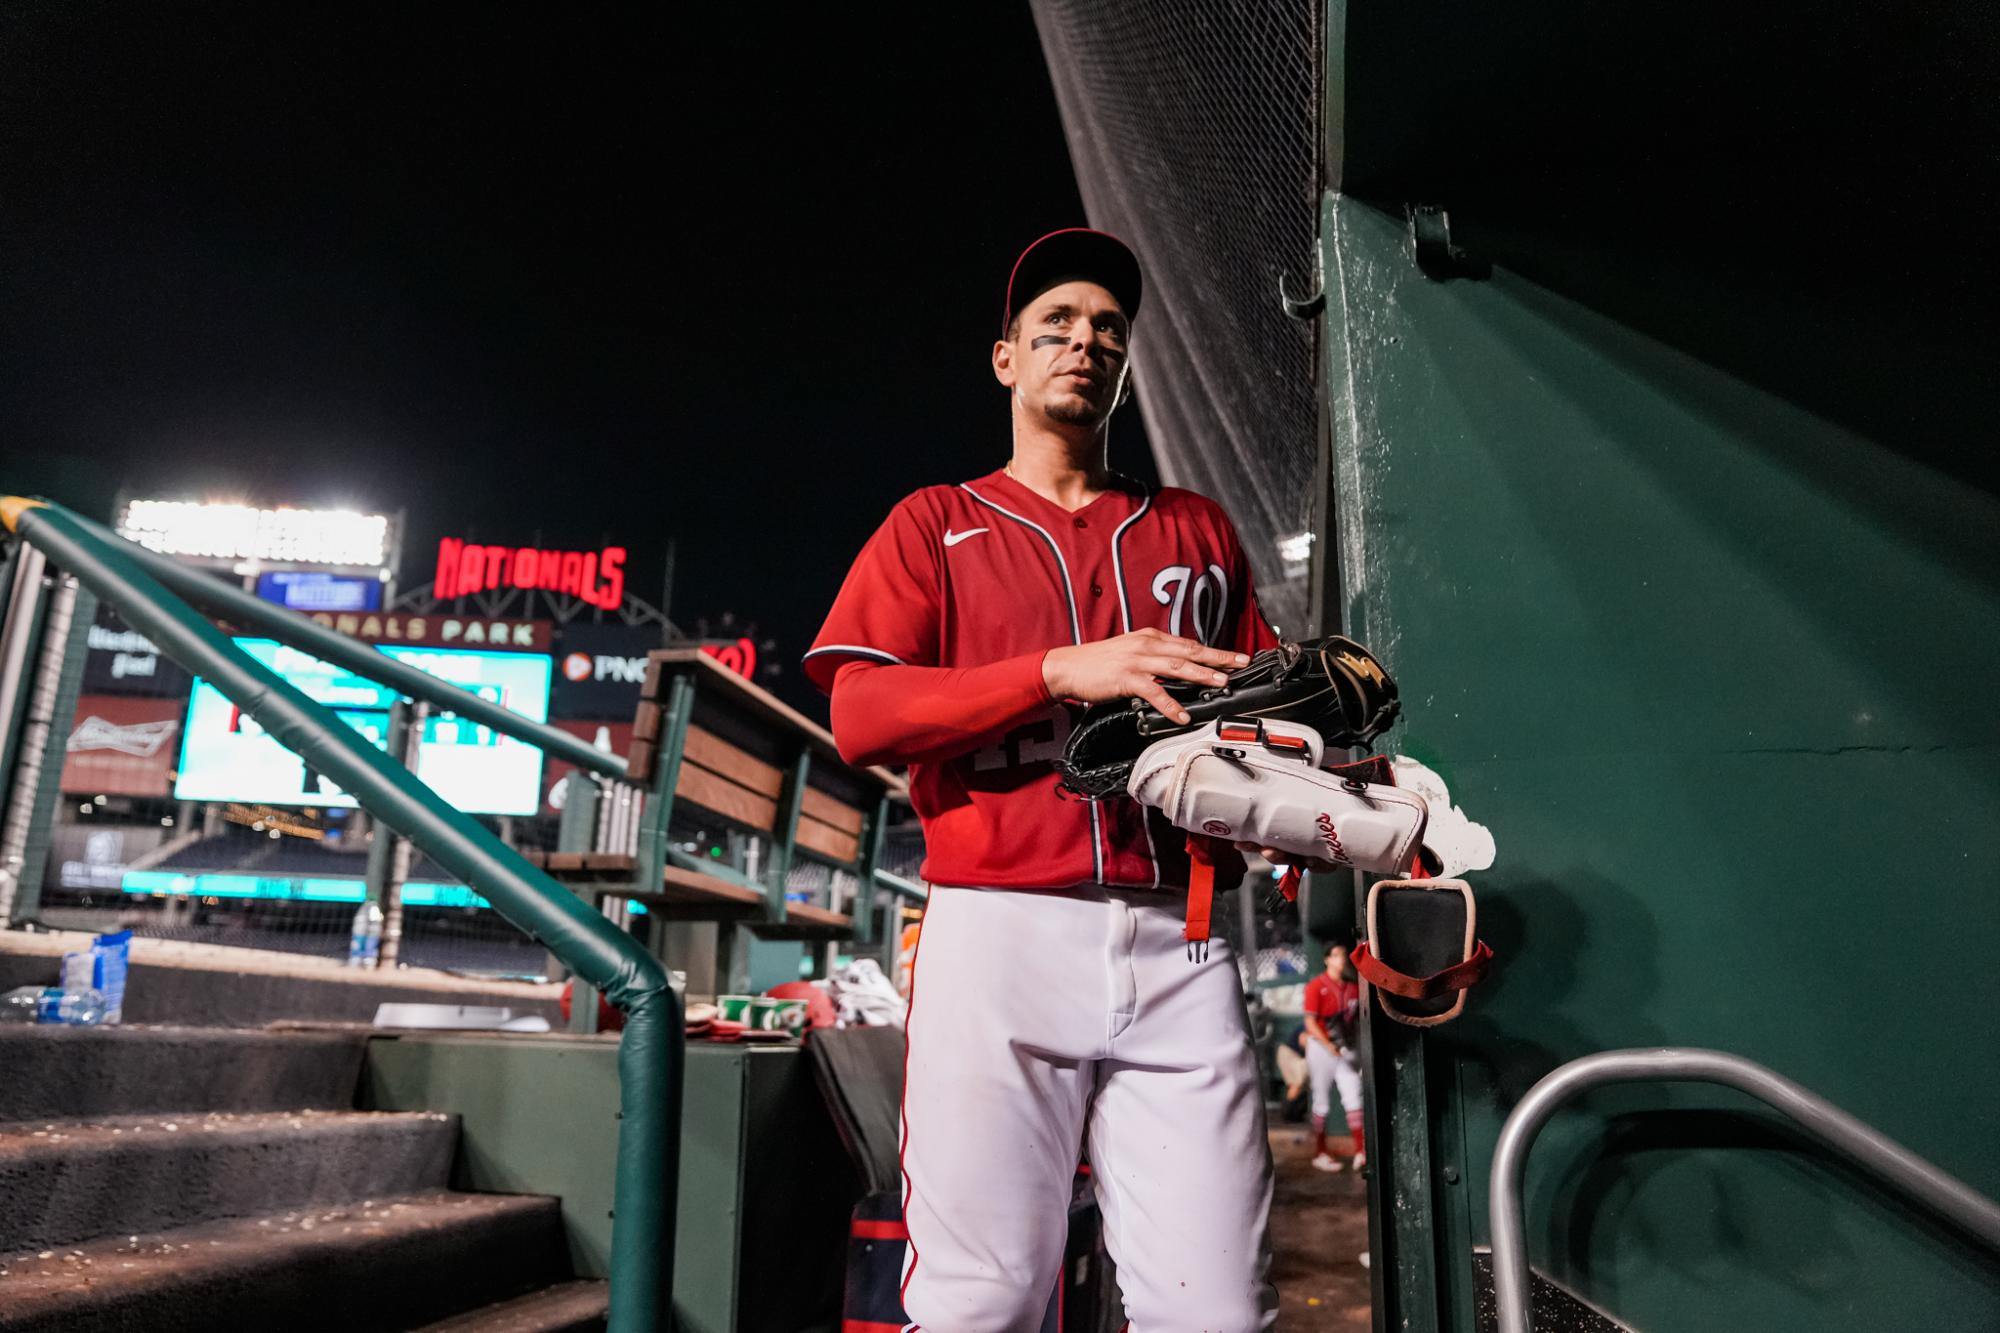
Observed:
{"x":1459,"y":976}
{"x":1200,"y":896}
{"x":1252,"y":731}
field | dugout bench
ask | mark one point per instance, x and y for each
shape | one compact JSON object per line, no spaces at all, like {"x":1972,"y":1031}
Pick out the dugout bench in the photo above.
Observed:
{"x":737,"y":810}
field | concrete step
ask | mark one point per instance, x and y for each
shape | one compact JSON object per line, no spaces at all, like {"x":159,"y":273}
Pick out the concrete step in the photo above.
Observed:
{"x":56,"y":1072}
{"x":212,"y":985}
{"x":567,"y":1307}
{"x":66,"y":1181}
{"x":388,"y":1266}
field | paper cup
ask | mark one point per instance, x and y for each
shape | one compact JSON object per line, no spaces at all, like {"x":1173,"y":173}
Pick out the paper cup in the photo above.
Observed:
{"x":773,"y":1015}
{"x":788,"y":1016}
{"x":734,"y":1008}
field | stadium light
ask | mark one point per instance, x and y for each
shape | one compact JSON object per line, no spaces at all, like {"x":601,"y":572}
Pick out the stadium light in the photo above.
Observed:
{"x":241,"y":532}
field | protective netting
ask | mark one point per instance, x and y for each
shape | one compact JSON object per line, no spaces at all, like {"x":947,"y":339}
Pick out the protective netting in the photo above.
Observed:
{"x":1193,"y":127}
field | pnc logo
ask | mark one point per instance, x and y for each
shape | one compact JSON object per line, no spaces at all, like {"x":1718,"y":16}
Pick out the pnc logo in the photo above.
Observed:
{"x":1330,"y":835}
{"x":580,"y":667}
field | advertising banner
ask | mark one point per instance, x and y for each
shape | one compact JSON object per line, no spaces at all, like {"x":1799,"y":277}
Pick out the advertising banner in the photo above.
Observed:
{"x":317,"y":590}
{"x":122,"y":745}
{"x":599,"y":669}
{"x":610,"y":737}
{"x":444,"y":631}
{"x":120,"y":660}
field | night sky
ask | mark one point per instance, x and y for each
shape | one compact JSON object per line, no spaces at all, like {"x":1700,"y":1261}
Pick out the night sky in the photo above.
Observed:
{"x":608,"y":275}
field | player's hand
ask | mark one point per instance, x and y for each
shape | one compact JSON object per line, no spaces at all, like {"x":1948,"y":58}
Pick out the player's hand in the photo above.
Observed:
{"x":1278,"y":858}
{"x":1131,"y":666}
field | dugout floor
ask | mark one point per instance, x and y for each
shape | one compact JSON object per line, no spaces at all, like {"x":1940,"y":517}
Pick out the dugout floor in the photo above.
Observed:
{"x":1319,"y":1227}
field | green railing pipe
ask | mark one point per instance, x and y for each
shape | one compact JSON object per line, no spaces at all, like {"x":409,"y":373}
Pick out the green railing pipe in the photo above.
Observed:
{"x":650,"y":1054}
{"x":296,"y":631}
{"x":902,"y":888}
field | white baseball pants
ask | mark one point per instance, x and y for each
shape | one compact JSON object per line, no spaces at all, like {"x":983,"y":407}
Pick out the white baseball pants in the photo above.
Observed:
{"x":1044,"y":1021}
{"x":1326,"y":1072}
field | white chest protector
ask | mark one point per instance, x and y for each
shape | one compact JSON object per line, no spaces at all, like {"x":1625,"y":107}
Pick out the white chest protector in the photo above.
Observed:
{"x":1256,"y":781}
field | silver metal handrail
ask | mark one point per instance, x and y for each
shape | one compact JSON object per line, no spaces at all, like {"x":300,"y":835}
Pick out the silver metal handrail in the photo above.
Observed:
{"x":1867,"y":1146}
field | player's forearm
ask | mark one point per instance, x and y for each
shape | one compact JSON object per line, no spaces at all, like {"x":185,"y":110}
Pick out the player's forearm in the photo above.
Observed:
{"x":905,"y":714}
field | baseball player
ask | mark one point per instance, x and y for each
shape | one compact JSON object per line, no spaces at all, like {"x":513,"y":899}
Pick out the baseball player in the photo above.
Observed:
{"x":1333,"y":1011}
{"x":1053,"y":1002}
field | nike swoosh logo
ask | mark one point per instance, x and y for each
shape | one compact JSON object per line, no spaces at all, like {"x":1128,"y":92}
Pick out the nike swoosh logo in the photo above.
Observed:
{"x":954,"y":538}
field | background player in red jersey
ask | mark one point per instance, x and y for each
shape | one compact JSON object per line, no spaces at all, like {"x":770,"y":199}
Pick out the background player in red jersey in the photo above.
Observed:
{"x":1052,"y":1000}
{"x":1333,"y":1012}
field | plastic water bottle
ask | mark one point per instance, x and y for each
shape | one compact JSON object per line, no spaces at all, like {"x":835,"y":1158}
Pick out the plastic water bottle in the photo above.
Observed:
{"x":23,"y":1004}
{"x":364,"y":941}
{"x":102,"y":968}
{"x":51,"y":1004}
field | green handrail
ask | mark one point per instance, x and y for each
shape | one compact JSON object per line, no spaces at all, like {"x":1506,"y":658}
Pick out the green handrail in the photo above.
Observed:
{"x":650,"y":1055}
{"x":902,"y":888}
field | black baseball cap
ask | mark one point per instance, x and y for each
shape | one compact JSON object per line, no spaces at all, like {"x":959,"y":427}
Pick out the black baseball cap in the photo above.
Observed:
{"x":1074,"y":254}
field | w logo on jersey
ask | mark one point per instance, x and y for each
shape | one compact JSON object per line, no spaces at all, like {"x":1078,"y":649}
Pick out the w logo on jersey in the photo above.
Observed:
{"x":1204,"y":599}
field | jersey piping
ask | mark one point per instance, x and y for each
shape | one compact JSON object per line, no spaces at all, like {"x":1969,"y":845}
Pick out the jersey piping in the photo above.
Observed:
{"x":1118,"y":562}
{"x":1076,"y":637}
{"x":1125,"y":623}
{"x":1069,"y":591}
{"x":857,"y":650}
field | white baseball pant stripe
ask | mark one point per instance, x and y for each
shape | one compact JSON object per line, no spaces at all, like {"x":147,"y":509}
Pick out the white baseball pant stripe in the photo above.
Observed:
{"x":1327,"y":1071}
{"x":1044,"y":1021}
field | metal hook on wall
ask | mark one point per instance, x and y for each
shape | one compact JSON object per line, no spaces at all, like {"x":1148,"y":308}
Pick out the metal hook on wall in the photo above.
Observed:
{"x":1297,"y":308}
{"x":1437,"y":254}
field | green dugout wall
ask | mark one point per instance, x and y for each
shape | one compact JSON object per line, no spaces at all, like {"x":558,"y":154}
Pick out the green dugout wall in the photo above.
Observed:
{"x":1663,"y":486}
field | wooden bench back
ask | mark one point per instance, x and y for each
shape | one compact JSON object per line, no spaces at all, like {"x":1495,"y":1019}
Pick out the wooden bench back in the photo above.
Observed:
{"x":740,"y":745}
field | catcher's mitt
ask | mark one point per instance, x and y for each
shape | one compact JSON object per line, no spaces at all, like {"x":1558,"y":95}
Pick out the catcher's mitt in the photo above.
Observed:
{"x":1333,"y":685}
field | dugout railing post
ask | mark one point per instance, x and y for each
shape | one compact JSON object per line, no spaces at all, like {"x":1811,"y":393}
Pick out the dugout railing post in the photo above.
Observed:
{"x":48,"y":693}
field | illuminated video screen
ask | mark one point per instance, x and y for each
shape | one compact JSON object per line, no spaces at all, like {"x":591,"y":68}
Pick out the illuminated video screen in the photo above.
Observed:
{"x":226,"y":756}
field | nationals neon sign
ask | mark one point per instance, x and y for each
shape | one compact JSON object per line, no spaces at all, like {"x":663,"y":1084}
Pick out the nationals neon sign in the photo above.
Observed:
{"x":596,"y":577}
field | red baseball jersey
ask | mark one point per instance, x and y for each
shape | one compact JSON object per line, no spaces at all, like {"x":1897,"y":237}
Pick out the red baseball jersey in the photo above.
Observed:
{"x":1337,"y":1005}
{"x":970,"y":575}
